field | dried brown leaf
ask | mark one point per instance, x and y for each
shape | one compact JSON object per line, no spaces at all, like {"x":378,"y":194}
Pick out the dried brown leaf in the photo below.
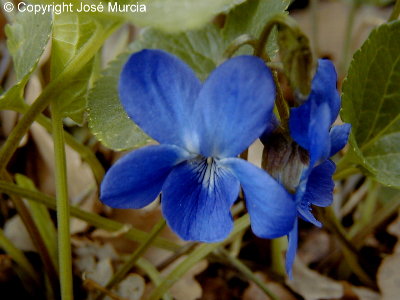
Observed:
{"x":253,"y":292}
{"x":388,"y":277}
{"x":314,"y":286}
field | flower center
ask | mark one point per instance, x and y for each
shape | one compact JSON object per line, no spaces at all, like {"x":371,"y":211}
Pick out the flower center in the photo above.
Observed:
{"x":206,"y":171}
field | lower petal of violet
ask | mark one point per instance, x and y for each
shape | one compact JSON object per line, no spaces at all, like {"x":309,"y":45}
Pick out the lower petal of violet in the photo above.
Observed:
{"x":196,"y":200}
{"x":137,"y":178}
{"x":271,"y":208}
{"x":305,"y":212}
{"x":323,"y":88}
{"x":320,"y":185}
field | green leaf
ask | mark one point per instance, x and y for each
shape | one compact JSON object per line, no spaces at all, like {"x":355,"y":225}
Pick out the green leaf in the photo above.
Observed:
{"x":108,"y":120}
{"x":167,"y":15}
{"x":178,"y":15}
{"x":371,"y":103}
{"x":250,"y":18}
{"x":70,"y":34}
{"x":73,"y":100}
{"x":27,"y":38}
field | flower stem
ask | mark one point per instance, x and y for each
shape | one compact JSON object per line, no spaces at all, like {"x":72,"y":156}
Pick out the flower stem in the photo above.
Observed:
{"x":94,"y":286}
{"x":198,"y":254}
{"x":395,"y":12}
{"x":91,"y":218}
{"x":345,"y":173}
{"x":368,"y":208}
{"x":345,"y":166}
{"x":34,"y":234}
{"x":380,"y":217}
{"x":121,"y":273}
{"x":64,"y":243}
{"x":18,"y":256}
{"x":349,"y":250}
{"x":247,"y":272}
{"x":239,"y":42}
{"x":153,"y":273}
{"x":278,"y":246}
{"x":259,"y":51}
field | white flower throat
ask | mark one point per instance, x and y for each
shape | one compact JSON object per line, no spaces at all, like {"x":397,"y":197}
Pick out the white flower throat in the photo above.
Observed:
{"x":207,"y":171}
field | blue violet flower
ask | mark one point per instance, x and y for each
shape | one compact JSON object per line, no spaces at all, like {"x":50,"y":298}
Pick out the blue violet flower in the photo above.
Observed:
{"x":201,"y":128}
{"x":310,"y":127}
{"x":300,"y":161}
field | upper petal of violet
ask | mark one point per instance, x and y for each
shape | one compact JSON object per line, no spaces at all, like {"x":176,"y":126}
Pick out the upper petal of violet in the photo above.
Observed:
{"x":158,"y":91}
{"x":234,"y":106}
{"x":323,"y":99}
{"x":324,"y":89}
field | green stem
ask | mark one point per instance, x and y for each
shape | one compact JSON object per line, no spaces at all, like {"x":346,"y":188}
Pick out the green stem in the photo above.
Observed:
{"x":57,"y":85}
{"x":41,"y":216}
{"x":288,"y":22}
{"x":380,"y":217}
{"x":34,"y":234}
{"x":344,"y":173}
{"x":279,"y":19}
{"x":91,"y":218}
{"x":247,"y":272}
{"x":368,"y":208}
{"x":236,"y":245}
{"x":395,"y":12}
{"x":239,"y":42}
{"x":153,"y":274}
{"x":63,"y":226}
{"x":280,"y":102}
{"x":129,"y":264}
{"x":198,"y":254}
{"x":278,"y":246}
{"x":345,"y":166}
{"x":349,"y":251}
{"x":346,"y":51}
{"x":18,"y":256}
